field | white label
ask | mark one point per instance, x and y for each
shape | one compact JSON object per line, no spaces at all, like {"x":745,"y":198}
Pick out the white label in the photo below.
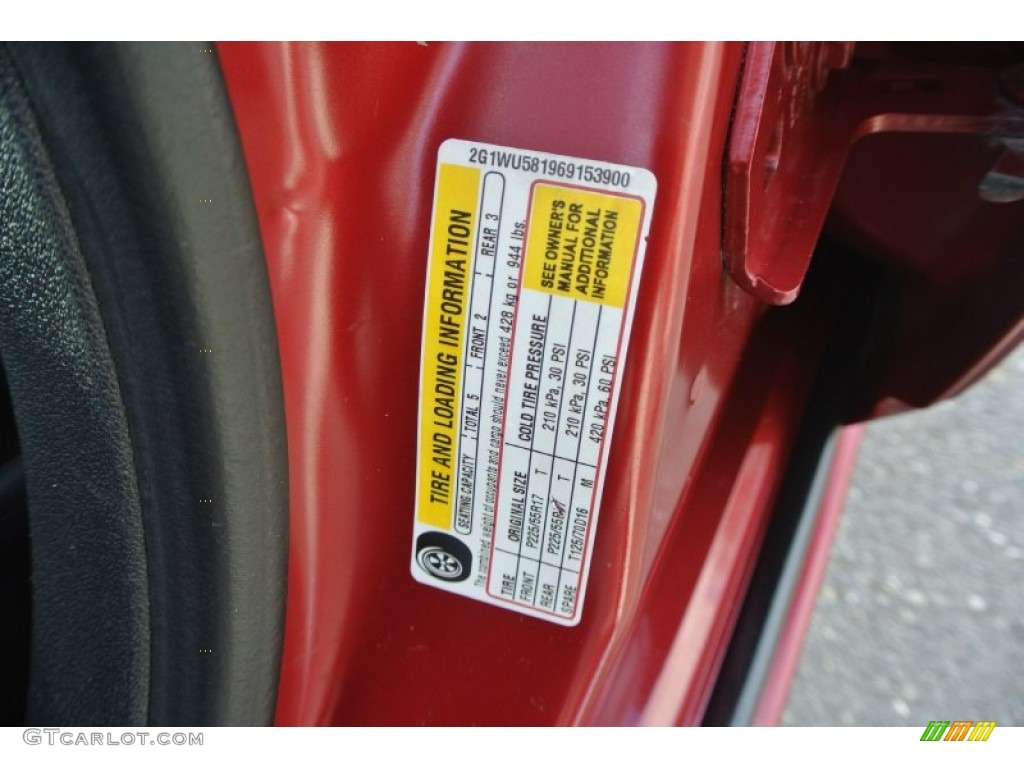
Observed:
{"x":534,"y":268}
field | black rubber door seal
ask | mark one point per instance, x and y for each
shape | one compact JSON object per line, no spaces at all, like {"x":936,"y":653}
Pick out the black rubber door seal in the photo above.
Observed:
{"x":143,"y":147}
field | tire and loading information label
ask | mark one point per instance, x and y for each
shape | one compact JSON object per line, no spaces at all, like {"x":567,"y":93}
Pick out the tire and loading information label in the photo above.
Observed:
{"x":532,"y":278}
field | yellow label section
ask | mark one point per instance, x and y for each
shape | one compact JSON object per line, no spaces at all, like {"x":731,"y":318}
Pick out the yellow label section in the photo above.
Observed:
{"x":581,"y":244}
{"x":451,"y":267}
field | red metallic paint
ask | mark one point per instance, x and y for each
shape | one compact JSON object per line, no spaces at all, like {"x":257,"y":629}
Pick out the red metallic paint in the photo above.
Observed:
{"x":894,"y":147}
{"x":340,"y":142}
{"x":776,"y":152}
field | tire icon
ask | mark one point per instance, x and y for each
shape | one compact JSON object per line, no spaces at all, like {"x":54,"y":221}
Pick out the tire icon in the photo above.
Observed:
{"x":443,"y":557}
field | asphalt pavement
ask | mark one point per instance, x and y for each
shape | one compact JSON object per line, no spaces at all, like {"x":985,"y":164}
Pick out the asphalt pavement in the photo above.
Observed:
{"x":921,"y":614}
